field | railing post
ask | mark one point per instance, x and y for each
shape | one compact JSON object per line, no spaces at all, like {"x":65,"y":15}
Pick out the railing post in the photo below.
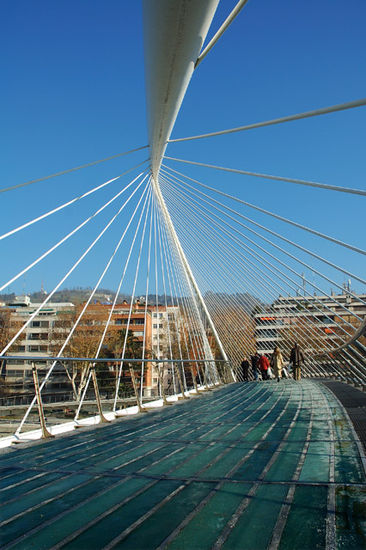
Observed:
{"x":117,"y":414}
{"x":135,"y":388}
{"x":45,"y":433}
{"x":179,"y":375}
{"x":103,"y":419}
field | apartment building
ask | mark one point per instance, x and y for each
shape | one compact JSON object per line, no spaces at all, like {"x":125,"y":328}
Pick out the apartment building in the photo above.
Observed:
{"x":156,"y":328}
{"x":36,"y":337}
{"x":311,"y":320}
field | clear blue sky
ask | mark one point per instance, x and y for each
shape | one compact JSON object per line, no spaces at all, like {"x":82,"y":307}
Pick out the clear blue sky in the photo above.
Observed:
{"x":73,"y":91}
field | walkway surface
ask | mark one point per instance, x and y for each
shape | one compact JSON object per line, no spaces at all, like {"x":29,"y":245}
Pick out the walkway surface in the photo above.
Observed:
{"x":250,"y":466}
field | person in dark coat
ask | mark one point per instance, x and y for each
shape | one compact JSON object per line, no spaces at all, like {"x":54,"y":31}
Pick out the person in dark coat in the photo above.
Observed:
{"x":263,"y":364}
{"x":297,"y":360}
{"x":255,"y":359}
{"x":245,"y":369}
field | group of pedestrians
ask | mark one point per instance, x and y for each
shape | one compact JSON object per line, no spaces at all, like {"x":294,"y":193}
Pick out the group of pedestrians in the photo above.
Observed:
{"x":273,"y":366}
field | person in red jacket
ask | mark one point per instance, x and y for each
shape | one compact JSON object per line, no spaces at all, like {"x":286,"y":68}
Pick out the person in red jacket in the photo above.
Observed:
{"x":263,"y":364}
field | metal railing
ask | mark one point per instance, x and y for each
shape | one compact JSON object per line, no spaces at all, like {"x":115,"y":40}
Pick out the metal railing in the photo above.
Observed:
{"x":180,"y":378}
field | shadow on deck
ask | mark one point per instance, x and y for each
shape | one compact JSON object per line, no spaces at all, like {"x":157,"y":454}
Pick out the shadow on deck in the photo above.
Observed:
{"x":256,"y":466}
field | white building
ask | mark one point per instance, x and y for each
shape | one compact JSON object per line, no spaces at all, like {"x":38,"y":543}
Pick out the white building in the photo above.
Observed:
{"x":321,"y":313}
{"x":35,"y":340}
{"x":165,"y":328}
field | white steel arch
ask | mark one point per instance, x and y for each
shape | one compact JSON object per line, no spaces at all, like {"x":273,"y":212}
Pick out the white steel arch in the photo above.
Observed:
{"x":174,"y":32}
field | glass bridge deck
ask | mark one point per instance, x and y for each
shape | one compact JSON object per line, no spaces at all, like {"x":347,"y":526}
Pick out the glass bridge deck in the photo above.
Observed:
{"x":249,"y":466}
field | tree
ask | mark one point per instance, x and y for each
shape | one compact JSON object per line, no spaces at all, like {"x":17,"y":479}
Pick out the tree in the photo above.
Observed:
{"x":88,"y":337}
{"x":5,"y":328}
{"x":84,"y":342}
{"x":8,"y":328}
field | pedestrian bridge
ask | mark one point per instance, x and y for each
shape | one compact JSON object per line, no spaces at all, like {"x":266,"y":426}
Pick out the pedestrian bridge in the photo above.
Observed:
{"x":208,"y":276}
{"x":256,"y":465}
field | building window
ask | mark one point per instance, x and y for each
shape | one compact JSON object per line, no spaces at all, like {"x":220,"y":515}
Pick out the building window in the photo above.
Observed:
{"x":33,"y":348}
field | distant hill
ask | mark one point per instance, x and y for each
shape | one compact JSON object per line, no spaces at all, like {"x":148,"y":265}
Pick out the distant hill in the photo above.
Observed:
{"x":74,"y":295}
{"x":247,"y":301}
{"x":79,"y":295}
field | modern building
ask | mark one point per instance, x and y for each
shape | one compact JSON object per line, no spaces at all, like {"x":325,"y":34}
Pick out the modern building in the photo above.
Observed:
{"x":159,"y":330}
{"x":36,"y":337}
{"x":314,"y":321}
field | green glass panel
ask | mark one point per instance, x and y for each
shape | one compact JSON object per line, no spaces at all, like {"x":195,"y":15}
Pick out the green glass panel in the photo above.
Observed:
{"x":305,"y":527}
{"x":80,"y":517}
{"x":35,"y":518}
{"x":254,"y":527}
{"x":205,"y":527}
{"x":111,"y":526}
{"x":351,"y":518}
{"x":44,"y":492}
{"x":158,"y":526}
{"x":317,"y":461}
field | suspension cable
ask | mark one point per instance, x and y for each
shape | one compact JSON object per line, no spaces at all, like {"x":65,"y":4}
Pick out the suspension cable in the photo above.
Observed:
{"x":276,"y":246}
{"x":146,"y":301}
{"x":144,"y":194}
{"x":198,"y":322}
{"x":173,"y":285}
{"x":91,"y":191}
{"x":267,"y":229}
{"x":132,"y":298}
{"x":306,"y":114}
{"x":241,"y":244}
{"x":275,"y":178}
{"x":72,"y":329}
{"x":267,"y":264}
{"x":238,"y":259}
{"x":197,"y":193}
{"x":5,"y":189}
{"x":166,"y":309}
{"x":70,"y":234}
{"x":174,"y":265}
{"x":63,"y":279}
{"x":164,"y":264}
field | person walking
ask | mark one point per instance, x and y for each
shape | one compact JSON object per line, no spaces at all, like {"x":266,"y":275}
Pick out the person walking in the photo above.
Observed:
{"x":263,"y":364}
{"x":277,"y":363}
{"x":297,"y":360}
{"x":255,"y":360}
{"x":245,"y":369}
